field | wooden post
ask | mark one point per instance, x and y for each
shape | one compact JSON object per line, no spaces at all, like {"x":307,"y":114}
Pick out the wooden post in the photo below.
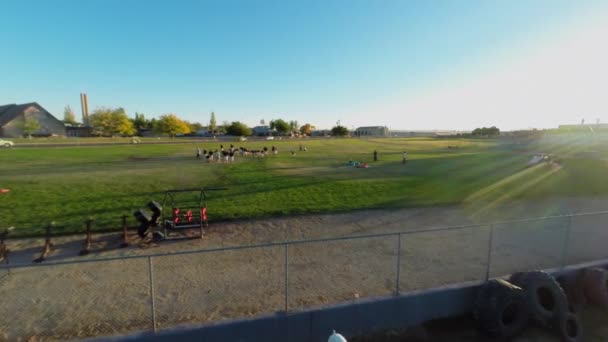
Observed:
{"x":47,"y":244}
{"x":3,"y":249}
{"x":88,"y":240}
{"x":125,"y":236}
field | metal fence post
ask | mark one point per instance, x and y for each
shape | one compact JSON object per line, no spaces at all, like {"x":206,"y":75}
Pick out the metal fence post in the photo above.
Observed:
{"x":566,"y":242}
{"x":286,"y":261}
{"x":490,"y":246}
{"x":398,"y":280}
{"x":153,"y":307}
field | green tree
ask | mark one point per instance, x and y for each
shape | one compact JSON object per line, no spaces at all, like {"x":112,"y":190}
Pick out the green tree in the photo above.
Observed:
{"x":221,"y":129}
{"x":212,"y":123}
{"x":172,"y":125}
{"x":194,"y":126}
{"x":140,"y":122}
{"x":280,"y":125}
{"x":68,"y":115}
{"x":486,"y":131}
{"x":293,"y":125}
{"x":339,"y":131}
{"x":307,"y":129}
{"x":238,"y":129}
{"x":111,"y":121}
{"x":30,"y":126}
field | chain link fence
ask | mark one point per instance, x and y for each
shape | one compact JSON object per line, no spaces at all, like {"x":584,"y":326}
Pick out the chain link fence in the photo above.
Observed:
{"x":80,"y":299}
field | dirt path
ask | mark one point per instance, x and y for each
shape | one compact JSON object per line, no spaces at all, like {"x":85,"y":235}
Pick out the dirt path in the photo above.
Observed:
{"x":102,"y":298}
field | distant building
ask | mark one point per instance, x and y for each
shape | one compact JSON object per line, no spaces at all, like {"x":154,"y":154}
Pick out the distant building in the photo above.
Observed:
{"x":321,"y":133}
{"x":77,"y":131}
{"x":203,"y":133}
{"x":261,"y":131}
{"x":13,"y":116}
{"x":372,"y":131}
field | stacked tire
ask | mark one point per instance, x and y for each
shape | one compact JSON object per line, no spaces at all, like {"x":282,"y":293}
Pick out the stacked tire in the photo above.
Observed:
{"x":504,"y":308}
{"x":595,"y":286}
{"x":572,"y":285}
{"x":545,"y":298}
{"x":501,"y":309}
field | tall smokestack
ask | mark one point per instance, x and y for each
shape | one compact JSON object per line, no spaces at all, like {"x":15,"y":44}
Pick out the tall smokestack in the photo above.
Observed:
{"x":84,"y":105}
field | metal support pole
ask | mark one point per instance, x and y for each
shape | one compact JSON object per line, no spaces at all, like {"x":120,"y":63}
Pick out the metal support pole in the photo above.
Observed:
{"x":490,"y":246}
{"x":125,"y":234}
{"x":398,"y":280}
{"x":48,"y":245}
{"x":286,"y":262}
{"x":153,"y":306}
{"x":566,"y":242}
{"x":88,"y":240}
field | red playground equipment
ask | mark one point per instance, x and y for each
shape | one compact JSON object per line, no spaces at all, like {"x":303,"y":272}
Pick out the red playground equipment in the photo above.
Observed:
{"x":188,"y":215}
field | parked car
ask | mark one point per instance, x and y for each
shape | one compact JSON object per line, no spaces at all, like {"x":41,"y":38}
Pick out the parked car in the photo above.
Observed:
{"x":6,"y":143}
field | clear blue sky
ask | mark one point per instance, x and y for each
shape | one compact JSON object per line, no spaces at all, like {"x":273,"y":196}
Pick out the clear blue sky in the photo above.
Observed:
{"x":405,"y":64}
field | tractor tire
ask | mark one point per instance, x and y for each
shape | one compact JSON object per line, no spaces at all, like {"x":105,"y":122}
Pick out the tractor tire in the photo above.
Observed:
{"x":570,"y":328}
{"x":595,"y":285}
{"x":546,"y":299}
{"x":501,"y":309}
{"x":573,"y":287}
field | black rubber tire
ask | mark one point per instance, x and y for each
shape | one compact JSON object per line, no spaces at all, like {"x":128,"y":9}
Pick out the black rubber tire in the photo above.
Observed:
{"x":595,"y":285}
{"x":545,"y":297}
{"x":570,"y":328}
{"x":572,"y":283}
{"x":501,"y":309}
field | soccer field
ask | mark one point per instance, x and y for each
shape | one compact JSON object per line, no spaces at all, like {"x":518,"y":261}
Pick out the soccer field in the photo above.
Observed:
{"x":69,"y":184}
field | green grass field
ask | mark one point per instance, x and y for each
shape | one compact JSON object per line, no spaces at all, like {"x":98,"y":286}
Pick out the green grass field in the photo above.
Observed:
{"x":69,"y":184}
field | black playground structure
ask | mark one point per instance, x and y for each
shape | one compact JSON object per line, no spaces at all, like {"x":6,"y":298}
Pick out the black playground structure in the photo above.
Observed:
{"x":189,"y":214}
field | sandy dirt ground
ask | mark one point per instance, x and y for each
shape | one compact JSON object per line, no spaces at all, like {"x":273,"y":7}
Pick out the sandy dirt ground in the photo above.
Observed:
{"x":99,"y":298}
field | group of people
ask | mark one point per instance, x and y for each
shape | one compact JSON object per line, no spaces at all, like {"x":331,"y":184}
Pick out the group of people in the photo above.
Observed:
{"x":228,"y":155}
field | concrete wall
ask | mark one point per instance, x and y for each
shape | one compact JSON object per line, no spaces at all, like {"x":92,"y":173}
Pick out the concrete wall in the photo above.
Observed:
{"x":349,"y":319}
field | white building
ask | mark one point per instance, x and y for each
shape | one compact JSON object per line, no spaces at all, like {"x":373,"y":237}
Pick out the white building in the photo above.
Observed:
{"x":372,"y":131}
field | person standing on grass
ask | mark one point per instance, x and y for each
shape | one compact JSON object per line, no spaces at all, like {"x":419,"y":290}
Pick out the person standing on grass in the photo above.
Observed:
{"x":404,"y":157}
{"x":198,"y":152}
{"x":375,"y":155}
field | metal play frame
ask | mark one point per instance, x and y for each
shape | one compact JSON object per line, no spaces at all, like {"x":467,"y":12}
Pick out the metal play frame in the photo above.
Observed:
{"x":176,"y":218}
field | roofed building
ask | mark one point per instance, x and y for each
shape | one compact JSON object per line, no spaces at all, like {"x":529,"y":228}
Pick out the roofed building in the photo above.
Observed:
{"x":13,"y":117}
{"x":261,"y":131}
{"x":372,"y":131}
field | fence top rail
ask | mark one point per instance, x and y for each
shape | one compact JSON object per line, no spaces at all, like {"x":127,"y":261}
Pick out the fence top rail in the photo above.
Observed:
{"x":295,"y":242}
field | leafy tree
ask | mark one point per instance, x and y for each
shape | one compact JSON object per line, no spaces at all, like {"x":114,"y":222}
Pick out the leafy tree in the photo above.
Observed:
{"x":339,"y":131}
{"x":170,"y":124}
{"x":68,"y":115}
{"x":194,"y":126}
{"x":280,"y":125}
{"x":140,"y":122}
{"x":293,"y":125}
{"x":212,"y":123}
{"x":307,"y":129}
{"x":486,"y":132}
{"x":238,"y":129}
{"x":152,"y":124}
{"x":111,"y":121}
{"x":30,"y":126}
